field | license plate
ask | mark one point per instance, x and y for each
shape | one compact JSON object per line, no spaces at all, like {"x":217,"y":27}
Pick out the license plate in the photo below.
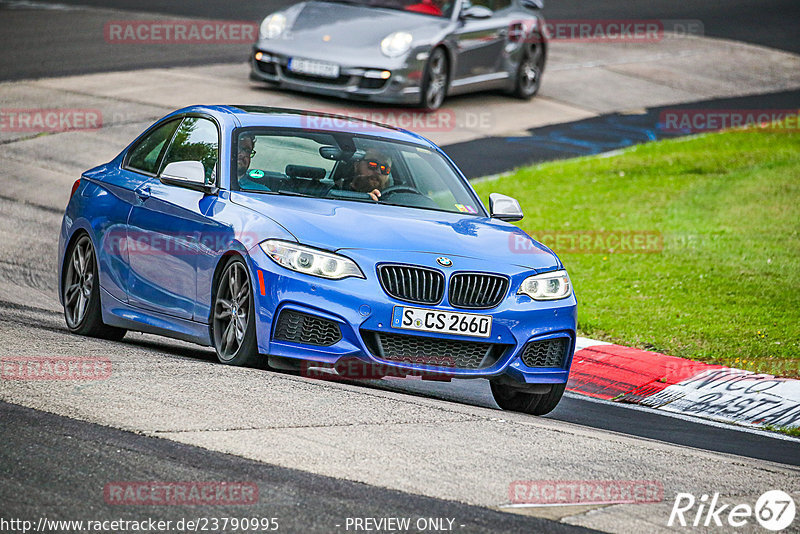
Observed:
{"x":314,"y":68}
{"x":462,"y":324}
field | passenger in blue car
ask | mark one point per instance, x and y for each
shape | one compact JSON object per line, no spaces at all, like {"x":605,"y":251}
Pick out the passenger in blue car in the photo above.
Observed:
{"x":247,"y":143}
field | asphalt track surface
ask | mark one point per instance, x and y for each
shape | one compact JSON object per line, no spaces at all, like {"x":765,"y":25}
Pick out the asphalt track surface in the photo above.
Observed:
{"x":55,"y":39}
{"x":41,"y":451}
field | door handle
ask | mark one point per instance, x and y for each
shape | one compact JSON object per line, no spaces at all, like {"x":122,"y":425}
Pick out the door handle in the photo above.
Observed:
{"x":143,"y":192}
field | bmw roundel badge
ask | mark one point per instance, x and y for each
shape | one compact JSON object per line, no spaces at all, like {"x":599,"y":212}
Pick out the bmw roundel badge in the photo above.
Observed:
{"x":444,"y":262}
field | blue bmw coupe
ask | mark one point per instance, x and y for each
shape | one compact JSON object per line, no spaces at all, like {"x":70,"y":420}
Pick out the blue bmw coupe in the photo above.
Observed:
{"x":296,"y":240}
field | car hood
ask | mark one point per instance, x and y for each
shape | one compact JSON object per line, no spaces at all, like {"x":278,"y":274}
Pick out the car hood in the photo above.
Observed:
{"x":350,"y":27}
{"x":336,"y":225}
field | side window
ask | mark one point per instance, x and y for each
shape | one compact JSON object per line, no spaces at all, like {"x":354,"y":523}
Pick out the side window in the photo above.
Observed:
{"x":196,"y":140}
{"x":144,"y":156}
{"x":274,"y":153}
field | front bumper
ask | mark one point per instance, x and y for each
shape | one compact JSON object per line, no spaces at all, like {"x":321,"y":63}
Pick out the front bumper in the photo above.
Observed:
{"x":361,"y":309}
{"x":354,"y":82}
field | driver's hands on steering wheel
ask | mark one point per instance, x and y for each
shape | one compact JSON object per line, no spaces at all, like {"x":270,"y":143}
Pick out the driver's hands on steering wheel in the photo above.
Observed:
{"x":376,"y":194}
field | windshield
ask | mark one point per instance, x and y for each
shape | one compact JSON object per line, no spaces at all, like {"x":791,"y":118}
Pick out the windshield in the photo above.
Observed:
{"x":348,"y":167}
{"x":436,"y":8}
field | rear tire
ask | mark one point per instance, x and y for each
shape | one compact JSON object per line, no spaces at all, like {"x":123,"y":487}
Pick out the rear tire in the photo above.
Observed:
{"x":516,"y":399}
{"x":233,"y":329}
{"x":81,"y":293}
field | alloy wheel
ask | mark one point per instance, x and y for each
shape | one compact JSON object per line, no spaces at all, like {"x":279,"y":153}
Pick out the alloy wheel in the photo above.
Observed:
{"x":231,"y":310}
{"x":530,"y":72}
{"x":437,"y":81}
{"x":78,"y":282}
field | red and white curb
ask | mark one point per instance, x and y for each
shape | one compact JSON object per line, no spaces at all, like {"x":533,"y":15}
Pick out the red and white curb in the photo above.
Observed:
{"x":622,"y":374}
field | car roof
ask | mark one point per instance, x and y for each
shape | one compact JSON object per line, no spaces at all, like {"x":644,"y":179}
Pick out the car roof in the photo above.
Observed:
{"x":248,"y":116}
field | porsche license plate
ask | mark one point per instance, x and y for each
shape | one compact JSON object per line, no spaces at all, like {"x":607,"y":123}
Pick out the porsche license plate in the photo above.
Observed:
{"x":314,"y":68}
{"x":461,"y":324}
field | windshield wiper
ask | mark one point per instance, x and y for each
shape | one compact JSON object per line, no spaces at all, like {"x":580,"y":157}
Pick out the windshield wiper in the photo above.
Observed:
{"x":294,"y":194}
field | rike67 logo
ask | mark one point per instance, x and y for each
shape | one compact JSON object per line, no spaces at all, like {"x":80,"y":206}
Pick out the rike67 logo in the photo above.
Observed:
{"x":774,"y":510}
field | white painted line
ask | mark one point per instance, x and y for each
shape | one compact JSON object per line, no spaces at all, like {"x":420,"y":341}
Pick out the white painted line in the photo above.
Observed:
{"x":532,"y":505}
{"x":25,"y":4}
{"x":584,"y":343}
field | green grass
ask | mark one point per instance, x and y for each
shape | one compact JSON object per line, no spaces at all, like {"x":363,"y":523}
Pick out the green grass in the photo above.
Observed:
{"x":788,"y":430}
{"x":725,"y":287}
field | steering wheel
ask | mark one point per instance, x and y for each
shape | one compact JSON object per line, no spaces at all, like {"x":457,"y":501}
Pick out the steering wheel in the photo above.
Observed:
{"x":400,"y":189}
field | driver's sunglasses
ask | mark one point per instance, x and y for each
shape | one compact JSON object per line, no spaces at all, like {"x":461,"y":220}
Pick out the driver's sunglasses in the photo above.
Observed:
{"x":243,"y":150}
{"x":383,"y":168}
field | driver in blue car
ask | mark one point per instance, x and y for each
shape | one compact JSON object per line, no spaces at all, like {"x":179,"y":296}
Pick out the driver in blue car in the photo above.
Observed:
{"x":371,"y":174}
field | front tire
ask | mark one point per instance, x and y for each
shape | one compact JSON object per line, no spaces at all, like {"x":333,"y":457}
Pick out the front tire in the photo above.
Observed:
{"x":434,"y":81}
{"x":81,"y":293}
{"x":516,"y":399}
{"x":233,"y":319}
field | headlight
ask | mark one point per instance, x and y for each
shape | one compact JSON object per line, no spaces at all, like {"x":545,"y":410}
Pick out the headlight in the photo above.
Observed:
{"x":311,"y":261}
{"x":547,"y":286}
{"x":396,"y":44}
{"x":273,"y":26}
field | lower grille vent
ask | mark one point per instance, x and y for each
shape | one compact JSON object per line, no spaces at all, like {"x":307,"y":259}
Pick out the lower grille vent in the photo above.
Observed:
{"x":299,"y":327}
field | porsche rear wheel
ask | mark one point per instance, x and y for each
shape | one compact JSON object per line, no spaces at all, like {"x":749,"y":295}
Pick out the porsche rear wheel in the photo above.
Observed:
{"x":81,"y":293}
{"x":516,"y":399}
{"x":529,"y":73}
{"x":434,"y":81}
{"x":233,"y":320}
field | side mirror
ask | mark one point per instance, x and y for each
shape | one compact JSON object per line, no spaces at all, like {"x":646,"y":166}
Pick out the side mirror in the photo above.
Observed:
{"x":533,"y":4}
{"x":477,"y":12}
{"x":188,"y":174}
{"x":504,"y":208}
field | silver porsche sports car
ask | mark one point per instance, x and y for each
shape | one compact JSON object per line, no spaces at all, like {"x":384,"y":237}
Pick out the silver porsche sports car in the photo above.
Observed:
{"x":403,"y":51}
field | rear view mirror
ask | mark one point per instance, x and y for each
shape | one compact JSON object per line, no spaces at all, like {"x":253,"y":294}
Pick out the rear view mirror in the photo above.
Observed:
{"x":334,"y":153}
{"x":331,"y":152}
{"x":504,"y":208}
{"x":189,"y":174}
